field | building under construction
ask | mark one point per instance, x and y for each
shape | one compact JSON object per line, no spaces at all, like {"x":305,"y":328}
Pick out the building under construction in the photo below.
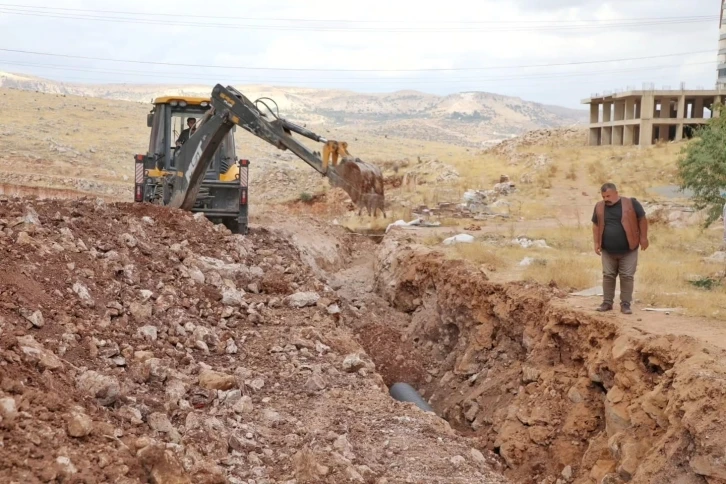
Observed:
{"x":647,"y":116}
{"x":644,"y":117}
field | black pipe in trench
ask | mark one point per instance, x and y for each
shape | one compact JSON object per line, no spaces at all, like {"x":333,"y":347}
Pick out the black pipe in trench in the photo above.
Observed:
{"x":403,"y":392}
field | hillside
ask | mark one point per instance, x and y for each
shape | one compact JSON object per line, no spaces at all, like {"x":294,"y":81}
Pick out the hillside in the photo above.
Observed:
{"x":470,"y":119}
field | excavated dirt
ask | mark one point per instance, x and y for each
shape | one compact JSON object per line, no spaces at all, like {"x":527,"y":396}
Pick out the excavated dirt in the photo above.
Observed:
{"x":142,"y":344}
{"x":561,"y":396}
{"x":145,"y":345}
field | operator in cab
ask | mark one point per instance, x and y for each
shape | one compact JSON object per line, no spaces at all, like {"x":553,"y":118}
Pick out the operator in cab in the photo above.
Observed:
{"x":185,"y":134}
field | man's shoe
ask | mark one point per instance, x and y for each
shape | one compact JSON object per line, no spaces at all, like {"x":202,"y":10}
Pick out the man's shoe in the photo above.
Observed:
{"x":605,"y":307}
{"x":625,"y":308}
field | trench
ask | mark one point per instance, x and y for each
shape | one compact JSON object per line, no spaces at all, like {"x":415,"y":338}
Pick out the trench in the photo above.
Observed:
{"x":559,"y":396}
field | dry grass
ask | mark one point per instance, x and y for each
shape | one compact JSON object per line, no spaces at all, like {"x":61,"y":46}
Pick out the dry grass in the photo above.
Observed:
{"x":481,"y":253}
{"x":663,"y":279}
{"x":569,"y":272}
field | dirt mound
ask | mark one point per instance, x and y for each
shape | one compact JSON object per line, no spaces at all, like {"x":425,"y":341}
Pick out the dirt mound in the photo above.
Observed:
{"x":142,"y":344}
{"x":561,"y":396}
{"x":540,"y":137}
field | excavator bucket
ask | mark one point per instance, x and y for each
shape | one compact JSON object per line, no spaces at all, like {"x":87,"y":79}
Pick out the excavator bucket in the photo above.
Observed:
{"x":362,"y":181}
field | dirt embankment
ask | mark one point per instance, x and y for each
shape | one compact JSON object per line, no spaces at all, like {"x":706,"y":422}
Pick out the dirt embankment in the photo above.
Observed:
{"x":143,"y":345}
{"x":562,"y":397}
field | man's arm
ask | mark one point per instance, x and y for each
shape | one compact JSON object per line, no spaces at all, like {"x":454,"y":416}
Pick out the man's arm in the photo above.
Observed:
{"x":642,"y":224}
{"x":595,"y":233}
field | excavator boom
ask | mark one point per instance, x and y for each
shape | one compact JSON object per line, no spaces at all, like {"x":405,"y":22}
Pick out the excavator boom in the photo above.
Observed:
{"x":229,"y":108}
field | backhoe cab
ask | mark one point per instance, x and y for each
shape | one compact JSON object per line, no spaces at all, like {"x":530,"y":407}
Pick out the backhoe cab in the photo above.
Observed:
{"x":222,"y":196}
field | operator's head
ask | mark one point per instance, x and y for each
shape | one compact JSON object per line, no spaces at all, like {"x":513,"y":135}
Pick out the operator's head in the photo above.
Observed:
{"x":191,"y":122}
{"x":609,"y":193}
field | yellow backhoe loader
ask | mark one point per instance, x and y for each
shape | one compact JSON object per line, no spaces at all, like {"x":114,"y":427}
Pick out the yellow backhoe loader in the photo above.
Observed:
{"x":199,"y":170}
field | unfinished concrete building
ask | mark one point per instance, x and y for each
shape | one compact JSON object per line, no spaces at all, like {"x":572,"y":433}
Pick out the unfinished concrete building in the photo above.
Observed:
{"x":647,"y":116}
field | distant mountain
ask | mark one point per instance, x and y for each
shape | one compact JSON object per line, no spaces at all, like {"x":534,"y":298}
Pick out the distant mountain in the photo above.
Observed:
{"x":469,"y":118}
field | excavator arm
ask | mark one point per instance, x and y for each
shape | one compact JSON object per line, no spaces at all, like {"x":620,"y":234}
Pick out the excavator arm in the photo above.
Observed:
{"x":229,"y":107}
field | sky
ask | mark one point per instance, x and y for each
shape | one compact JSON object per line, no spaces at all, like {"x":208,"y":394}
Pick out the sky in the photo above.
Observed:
{"x":549,"y":51}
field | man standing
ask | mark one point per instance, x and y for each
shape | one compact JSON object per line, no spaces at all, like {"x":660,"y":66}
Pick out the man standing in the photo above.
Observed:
{"x":619,"y":229}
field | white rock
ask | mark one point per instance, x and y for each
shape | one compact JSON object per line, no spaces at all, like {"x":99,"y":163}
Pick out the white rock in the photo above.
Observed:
{"x":149,"y":333}
{"x":303,"y":299}
{"x":353,"y":363}
{"x":36,"y":319}
{"x":128,"y":240}
{"x":36,"y":352}
{"x":244,"y":405}
{"x":160,"y":422}
{"x":82,"y":292}
{"x":232,"y":297}
{"x":31,"y":216}
{"x":458,"y":461}
{"x":231,"y":348}
{"x":8,"y":410}
{"x":79,"y":425}
{"x":459,"y":239}
{"x":478,"y":456}
{"x":104,"y":388}
{"x":257,"y":384}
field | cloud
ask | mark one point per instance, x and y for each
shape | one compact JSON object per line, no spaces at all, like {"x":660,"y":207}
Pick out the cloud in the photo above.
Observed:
{"x":499,"y":36}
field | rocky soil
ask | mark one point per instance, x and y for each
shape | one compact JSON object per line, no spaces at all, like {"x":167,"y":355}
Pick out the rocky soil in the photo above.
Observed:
{"x":142,"y":344}
{"x":561,"y":396}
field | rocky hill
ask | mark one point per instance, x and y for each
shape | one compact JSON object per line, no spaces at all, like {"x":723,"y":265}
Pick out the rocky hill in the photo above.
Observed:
{"x":469,"y":119}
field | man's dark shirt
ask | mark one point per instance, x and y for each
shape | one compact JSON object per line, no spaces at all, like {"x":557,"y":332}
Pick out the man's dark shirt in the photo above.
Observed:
{"x":184,"y":136}
{"x":614,"y":239}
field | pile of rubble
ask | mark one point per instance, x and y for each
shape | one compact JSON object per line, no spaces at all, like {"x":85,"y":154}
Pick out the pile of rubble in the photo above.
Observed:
{"x":143,"y":344}
{"x":675,"y":215}
{"x":543,"y":137}
{"x":477,"y":204}
{"x":431,"y":171}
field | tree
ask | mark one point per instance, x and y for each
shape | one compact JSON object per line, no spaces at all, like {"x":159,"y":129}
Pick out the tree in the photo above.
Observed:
{"x":702,"y":166}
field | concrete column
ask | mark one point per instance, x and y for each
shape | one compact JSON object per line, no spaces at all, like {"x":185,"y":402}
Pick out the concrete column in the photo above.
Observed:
{"x":628,"y":135}
{"x":681,"y":107}
{"x":665,"y":107}
{"x":716,"y":100}
{"x":607,"y":112}
{"x":679,"y":132}
{"x":638,"y":108}
{"x":594,"y":112}
{"x":607,"y":136}
{"x":698,"y":108}
{"x":646,"y":124}
{"x":617,"y":136}
{"x":630,"y":108}
{"x":594,"y":136}
{"x":619,"y":110}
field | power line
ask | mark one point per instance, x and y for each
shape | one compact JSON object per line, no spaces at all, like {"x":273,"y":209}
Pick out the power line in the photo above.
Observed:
{"x":347,"y":80}
{"x":279,"y":19}
{"x":436,"y":69}
{"x":520,"y":28}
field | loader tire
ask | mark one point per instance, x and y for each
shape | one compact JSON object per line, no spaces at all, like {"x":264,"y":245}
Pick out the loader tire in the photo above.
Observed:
{"x":232,"y":225}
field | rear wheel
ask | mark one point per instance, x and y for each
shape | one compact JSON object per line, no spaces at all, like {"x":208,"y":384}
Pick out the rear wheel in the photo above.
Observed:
{"x":232,"y":224}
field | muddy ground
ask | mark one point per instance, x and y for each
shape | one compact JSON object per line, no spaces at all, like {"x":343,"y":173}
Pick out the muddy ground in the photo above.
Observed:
{"x":142,"y":344}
